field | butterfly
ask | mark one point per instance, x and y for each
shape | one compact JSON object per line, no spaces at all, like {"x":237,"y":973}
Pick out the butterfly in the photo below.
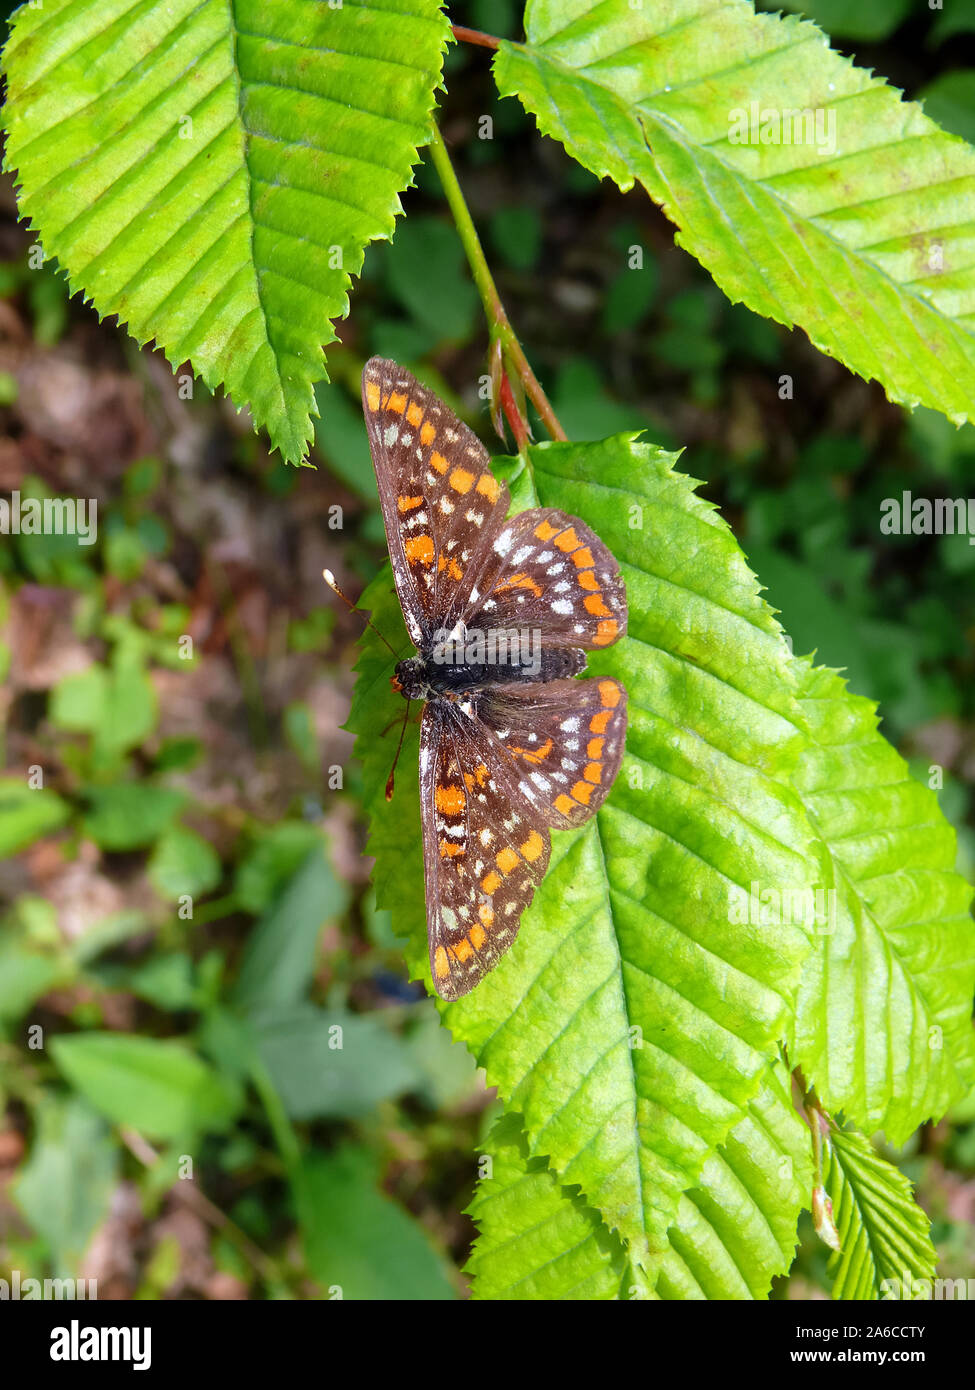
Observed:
{"x":501,"y":612}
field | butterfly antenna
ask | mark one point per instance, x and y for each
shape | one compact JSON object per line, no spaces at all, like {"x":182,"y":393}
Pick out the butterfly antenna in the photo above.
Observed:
{"x":329,"y":578}
{"x":392,"y":770}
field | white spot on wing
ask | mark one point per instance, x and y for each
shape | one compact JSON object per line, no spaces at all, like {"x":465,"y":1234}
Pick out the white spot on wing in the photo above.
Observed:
{"x":504,"y":542}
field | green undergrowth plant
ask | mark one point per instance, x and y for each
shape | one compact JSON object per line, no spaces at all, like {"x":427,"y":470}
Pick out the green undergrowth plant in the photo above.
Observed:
{"x":758,"y":954}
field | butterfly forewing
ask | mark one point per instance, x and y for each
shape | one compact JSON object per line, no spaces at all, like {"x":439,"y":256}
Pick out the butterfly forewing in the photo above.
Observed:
{"x":441,"y":504}
{"x":484,"y":851}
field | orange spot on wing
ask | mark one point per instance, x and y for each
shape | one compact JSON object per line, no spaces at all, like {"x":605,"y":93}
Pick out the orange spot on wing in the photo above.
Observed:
{"x":607,"y":631}
{"x":488,"y":487}
{"x":419,"y":550}
{"x":491,"y":882}
{"x":477,"y":933}
{"x":414,"y":414}
{"x":545,"y":530}
{"x":406,"y":504}
{"x":450,"y":800}
{"x":428,"y":433}
{"x":564,"y":804}
{"x":593,"y":772}
{"x":507,"y":860}
{"x":533,"y":846}
{"x":372,"y":395}
{"x":463,"y":950}
{"x":452,"y":567}
{"x":520,"y":581}
{"x":568,"y":540}
{"x":582,"y":791}
{"x":609,"y":693}
{"x":441,"y":965}
{"x":461,"y":480}
{"x":587,"y":580}
{"x":582,"y":558}
{"x":598,"y":722}
{"x":448,"y":850}
{"x":594,"y":604}
{"x":534,"y":755}
{"x":438,"y":462}
{"x":594,"y":748}
{"x":397,"y":402}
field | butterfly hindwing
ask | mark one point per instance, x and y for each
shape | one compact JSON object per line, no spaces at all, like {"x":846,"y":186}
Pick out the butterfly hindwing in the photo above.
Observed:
{"x":551,"y":572}
{"x":565,"y":741}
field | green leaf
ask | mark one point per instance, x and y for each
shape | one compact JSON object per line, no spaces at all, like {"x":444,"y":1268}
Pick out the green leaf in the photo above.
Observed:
{"x":299,"y":729}
{"x":537,"y":1239}
{"x":862,"y":239}
{"x":129,"y":815}
{"x":77,"y":701}
{"x":117,"y":705}
{"x":585,"y":408}
{"x":867,"y":20}
{"x":444,"y":303}
{"x":212,"y":173}
{"x":160,"y":1088}
{"x":280,"y":957}
{"x":733,"y":1234}
{"x":884,"y":1016}
{"x":631,"y":1021}
{"x":883,"y":1232}
{"x":517,"y":233}
{"x":328,"y":1062}
{"x":949,"y":100}
{"x":958,"y":18}
{"x":359,"y":1243}
{"x":26,"y":973}
{"x":737,"y":1229}
{"x":183,"y":862}
{"x":275,"y":856}
{"x":65,"y":1185}
{"x":27,"y":814}
{"x":341,"y":440}
{"x":447,"y":1071}
{"x":167,"y":982}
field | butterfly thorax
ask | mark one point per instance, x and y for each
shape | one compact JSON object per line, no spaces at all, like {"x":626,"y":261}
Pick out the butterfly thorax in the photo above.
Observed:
{"x":424,"y":677}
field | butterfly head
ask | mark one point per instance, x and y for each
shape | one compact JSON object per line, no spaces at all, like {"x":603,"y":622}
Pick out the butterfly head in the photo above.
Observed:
{"x":410,"y":679}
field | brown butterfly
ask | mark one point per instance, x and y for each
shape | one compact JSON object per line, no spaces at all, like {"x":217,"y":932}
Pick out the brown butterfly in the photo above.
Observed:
{"x":501,"y":612}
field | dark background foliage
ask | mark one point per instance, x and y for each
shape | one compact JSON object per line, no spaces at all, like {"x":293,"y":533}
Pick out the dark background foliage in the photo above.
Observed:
{"x":217,"y":775}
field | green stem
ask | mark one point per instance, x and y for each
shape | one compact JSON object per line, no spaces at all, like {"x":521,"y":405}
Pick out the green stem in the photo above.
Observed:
{"x":498,"y":320}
